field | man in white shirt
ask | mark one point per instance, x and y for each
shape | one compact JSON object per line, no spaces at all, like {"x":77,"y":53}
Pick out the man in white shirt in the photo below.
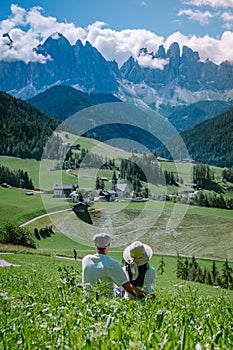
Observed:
{"x":101,"y":269}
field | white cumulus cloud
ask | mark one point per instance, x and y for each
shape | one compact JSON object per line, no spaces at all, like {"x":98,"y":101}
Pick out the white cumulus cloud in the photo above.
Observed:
{"x":196,"y":15}
{"x":216,"y":50}
{"x":211,"y":3}
{"x":27,"y":29}
{"x":148,"y":61}
{"x":227,"y":19}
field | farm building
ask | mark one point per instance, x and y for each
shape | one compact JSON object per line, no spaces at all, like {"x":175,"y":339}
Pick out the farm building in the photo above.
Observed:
{"x":108,"y":196}
{"x":123,"y":190}
{"x":82,"y":194}
{"x":62,"y":191}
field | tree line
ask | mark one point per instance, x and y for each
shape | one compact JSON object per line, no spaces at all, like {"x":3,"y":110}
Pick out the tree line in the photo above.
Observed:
{"x":203,"y":177}
{"x":146,"y":168}
{"x":212,"y":200}
{"x":16,"y":178}
{"x":17,"y":235}
{"x":190,"y":270}
{"x":43,"y":232}
{"x":75,"y":160}
{"x":227,"y":174}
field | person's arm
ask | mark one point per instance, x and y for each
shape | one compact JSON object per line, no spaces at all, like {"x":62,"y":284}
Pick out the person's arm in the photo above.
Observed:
{"x":134,"y":290}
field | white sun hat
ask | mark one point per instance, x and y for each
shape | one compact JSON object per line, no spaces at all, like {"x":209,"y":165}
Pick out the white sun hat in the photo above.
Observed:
{"x":137,"y":252}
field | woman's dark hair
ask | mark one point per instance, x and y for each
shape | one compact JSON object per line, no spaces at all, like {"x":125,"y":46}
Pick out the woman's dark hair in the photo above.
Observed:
{"x":141,"y":274}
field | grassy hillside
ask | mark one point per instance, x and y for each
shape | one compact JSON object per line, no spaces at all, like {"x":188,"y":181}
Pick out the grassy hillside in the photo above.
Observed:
{"x":202,"y":232}
{"x":17,"y":207}
{"x":40,"y":172}
{"x":42,"y":301}
{"x":33,"y":168}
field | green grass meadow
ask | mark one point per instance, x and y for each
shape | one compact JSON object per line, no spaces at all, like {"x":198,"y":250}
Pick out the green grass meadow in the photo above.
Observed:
{"x":42,"y":301}
{"x":43,"y":307}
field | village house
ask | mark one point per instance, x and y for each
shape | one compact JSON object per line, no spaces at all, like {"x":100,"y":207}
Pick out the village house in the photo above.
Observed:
{"x":63,"y":190}
{"x":187,"y":194}
{"x":123,"y":190}
{"x":86,"y":194}
{"x":107,"y":195}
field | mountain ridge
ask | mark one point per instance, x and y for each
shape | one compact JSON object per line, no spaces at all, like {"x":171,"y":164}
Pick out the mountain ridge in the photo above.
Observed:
{"x":172,"y":76}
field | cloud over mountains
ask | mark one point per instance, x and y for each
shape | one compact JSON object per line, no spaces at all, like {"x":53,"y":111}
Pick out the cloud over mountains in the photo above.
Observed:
{"x":24,"y":29}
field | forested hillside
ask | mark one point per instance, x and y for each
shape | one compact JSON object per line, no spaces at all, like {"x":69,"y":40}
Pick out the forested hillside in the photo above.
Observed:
{"x":62,"y":101}
{"x":186,"y":117}
{"x":210,"y":142}
{"x":24,"y":129}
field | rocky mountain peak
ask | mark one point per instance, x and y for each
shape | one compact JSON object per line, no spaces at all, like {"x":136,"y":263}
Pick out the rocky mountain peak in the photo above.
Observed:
{"x":77,"y":65}
{"x":183,"y":78}
{"x":165,"y":76}
{"x":161,"y":53}
{"x":189,"y":54}
{"x":174,"y":51}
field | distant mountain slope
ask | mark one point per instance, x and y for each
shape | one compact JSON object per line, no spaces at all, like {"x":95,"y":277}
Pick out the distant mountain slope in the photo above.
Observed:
{"x":104,"y":98}
{"x":210,"y":142}
{"x":62,"y":101}
{"x":186,"y":117}
{"x":205,"y":142}
{"x":24,"y":129}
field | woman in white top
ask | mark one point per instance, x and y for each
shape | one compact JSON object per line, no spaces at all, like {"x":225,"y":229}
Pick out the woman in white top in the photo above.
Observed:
{"x":140,"y":274}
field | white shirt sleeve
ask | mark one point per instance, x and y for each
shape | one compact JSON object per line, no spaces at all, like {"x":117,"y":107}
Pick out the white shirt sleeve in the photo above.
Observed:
{"x":116,"y":273}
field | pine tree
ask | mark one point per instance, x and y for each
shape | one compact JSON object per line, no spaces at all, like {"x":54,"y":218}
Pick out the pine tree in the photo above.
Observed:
{"x":161,"y":266}
{"x":114,"y":181}
{"x":208,"y":279}
{"x":179,"y":267}
{"x":214,"y":273}
{"x":186,"y":269}
{"x":36,"y":232}
{"x":227,"y":278}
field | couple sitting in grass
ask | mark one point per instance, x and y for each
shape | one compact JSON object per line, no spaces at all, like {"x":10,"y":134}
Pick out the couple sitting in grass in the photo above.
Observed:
{"x":105,"y":275}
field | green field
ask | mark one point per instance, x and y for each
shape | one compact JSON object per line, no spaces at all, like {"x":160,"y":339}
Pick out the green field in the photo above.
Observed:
{"x":42,"y":303}
{"x":43,"y":307}
{"x":169,"y":228}
{"x":17,"y":207}
{"x":203,"y":232}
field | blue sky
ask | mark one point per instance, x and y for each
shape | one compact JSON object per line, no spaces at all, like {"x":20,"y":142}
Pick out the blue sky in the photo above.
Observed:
{"x":119,"y":28}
